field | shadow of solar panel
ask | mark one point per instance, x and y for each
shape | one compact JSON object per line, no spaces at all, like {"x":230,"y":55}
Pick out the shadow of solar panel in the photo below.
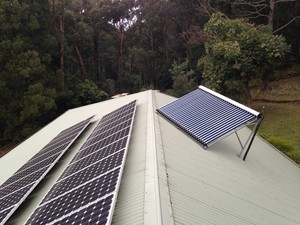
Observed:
{"x":207,"y":116}
{"x":14,"y":191}
{"x":92,"y":175}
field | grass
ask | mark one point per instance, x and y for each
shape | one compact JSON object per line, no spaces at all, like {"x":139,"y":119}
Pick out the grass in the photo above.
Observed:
{"x":287,"y":89}
{"x":281,"y":125}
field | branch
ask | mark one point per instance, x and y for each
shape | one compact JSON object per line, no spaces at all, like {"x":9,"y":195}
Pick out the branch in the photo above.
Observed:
{"x":285,"y":25}
{"x":255,"y":4}
{"x":278,"y":1}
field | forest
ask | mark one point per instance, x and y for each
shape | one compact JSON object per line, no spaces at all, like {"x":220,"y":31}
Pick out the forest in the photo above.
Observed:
{"x":61,"y":54}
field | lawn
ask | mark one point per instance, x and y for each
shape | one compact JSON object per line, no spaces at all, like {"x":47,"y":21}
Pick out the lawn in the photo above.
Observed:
{"x":281,"y":125}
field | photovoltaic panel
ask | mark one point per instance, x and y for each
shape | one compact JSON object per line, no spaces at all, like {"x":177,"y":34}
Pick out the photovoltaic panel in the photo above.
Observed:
{"x":24,"y":181}
{"x":207,"y":116}
{"x":71,"y":201}
{"x":86,"y":191}
{"x":5,"y":212}
{"x":95,"y":152}
{"x":95,"y":213}
{"x":15,"y":190}
{"x":75,"y":179}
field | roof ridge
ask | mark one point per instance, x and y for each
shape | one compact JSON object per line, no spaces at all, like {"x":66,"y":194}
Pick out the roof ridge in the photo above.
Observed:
{"x":157,"y":208}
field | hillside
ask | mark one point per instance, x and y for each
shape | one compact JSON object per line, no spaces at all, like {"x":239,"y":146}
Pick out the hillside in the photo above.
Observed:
{"x":280,"y":104}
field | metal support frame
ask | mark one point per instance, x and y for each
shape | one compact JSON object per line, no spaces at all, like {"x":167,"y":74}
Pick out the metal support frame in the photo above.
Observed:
{"x":250,"y":138}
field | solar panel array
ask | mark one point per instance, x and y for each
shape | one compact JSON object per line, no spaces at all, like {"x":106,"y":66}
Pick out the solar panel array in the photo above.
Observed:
{"x":15,"y":190}
{"x":207,"y":116}
{"x":86,"y":191}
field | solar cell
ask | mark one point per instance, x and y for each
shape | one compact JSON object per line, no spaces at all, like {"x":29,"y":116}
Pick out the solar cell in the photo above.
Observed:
{"x":105,"y":140}
{"x":95,"y":213}
{"x":45,"y":154}
{"x":5,"y":213}
{"x":98,"y":152}
{"x":86,"y":191}
{"x":208,"y":116}
{"x":12,"y":185}
{"x":14,"y":191}
{"x":76,"y":176}
{"x":14,"y":197}
{"x":33,"y":166}
{"x":77,"y":198}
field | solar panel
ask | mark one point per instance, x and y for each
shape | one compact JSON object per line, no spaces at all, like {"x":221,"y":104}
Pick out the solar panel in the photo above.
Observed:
{"x":15,"y":190}
{"x":208,"y":116}
{"x":86,"y":191}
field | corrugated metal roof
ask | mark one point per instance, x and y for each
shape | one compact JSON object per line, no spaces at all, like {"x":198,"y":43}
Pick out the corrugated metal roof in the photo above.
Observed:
{"x":194,"y":186}
{"x":216,"y":187}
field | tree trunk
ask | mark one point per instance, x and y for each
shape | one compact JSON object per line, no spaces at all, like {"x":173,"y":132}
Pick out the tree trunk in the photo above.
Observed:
{"x":271,"y":13}
{"x":120,"y":69}
{"x":247,"y":94}
{"x":96,"y":57}
{"x":85,"y":74}
{"x":62,"y":42}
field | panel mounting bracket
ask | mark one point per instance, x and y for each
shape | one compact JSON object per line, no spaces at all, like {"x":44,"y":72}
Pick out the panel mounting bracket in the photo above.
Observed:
{"x":251,"y":137}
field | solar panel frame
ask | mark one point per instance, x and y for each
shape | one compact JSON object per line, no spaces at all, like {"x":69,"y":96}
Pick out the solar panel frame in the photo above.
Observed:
{"x":115,"y":141}
{"x":29,"y":182}
{"x":186,"y":115}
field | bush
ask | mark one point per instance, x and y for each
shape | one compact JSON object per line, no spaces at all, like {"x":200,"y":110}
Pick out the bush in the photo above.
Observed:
{"x":281,"y":144}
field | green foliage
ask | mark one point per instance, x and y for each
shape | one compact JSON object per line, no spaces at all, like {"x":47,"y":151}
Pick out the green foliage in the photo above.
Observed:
{"x":86,"y":92}
{"x":238,"y":52}
{"x":183,"y":79}
{"x":48,"y":47}
{"x":282,"y":144}
{"x":25,"y":94}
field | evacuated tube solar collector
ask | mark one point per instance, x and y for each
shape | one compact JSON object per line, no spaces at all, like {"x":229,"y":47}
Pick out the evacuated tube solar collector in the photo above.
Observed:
{"x":208,"y":117}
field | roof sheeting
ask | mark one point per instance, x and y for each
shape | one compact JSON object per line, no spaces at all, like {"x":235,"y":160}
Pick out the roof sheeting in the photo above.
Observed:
{"x":194,"y":186}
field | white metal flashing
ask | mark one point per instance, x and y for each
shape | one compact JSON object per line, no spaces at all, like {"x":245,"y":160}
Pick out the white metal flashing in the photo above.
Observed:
{"x":152,"y":208}
{"x":165,"y":199}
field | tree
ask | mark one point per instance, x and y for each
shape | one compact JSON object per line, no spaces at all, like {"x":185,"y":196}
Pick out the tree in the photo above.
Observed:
{"x":184,"y":82}
{"x":238,"y":52}
{"x":267,"y":10}
{"x":26,"y":94}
